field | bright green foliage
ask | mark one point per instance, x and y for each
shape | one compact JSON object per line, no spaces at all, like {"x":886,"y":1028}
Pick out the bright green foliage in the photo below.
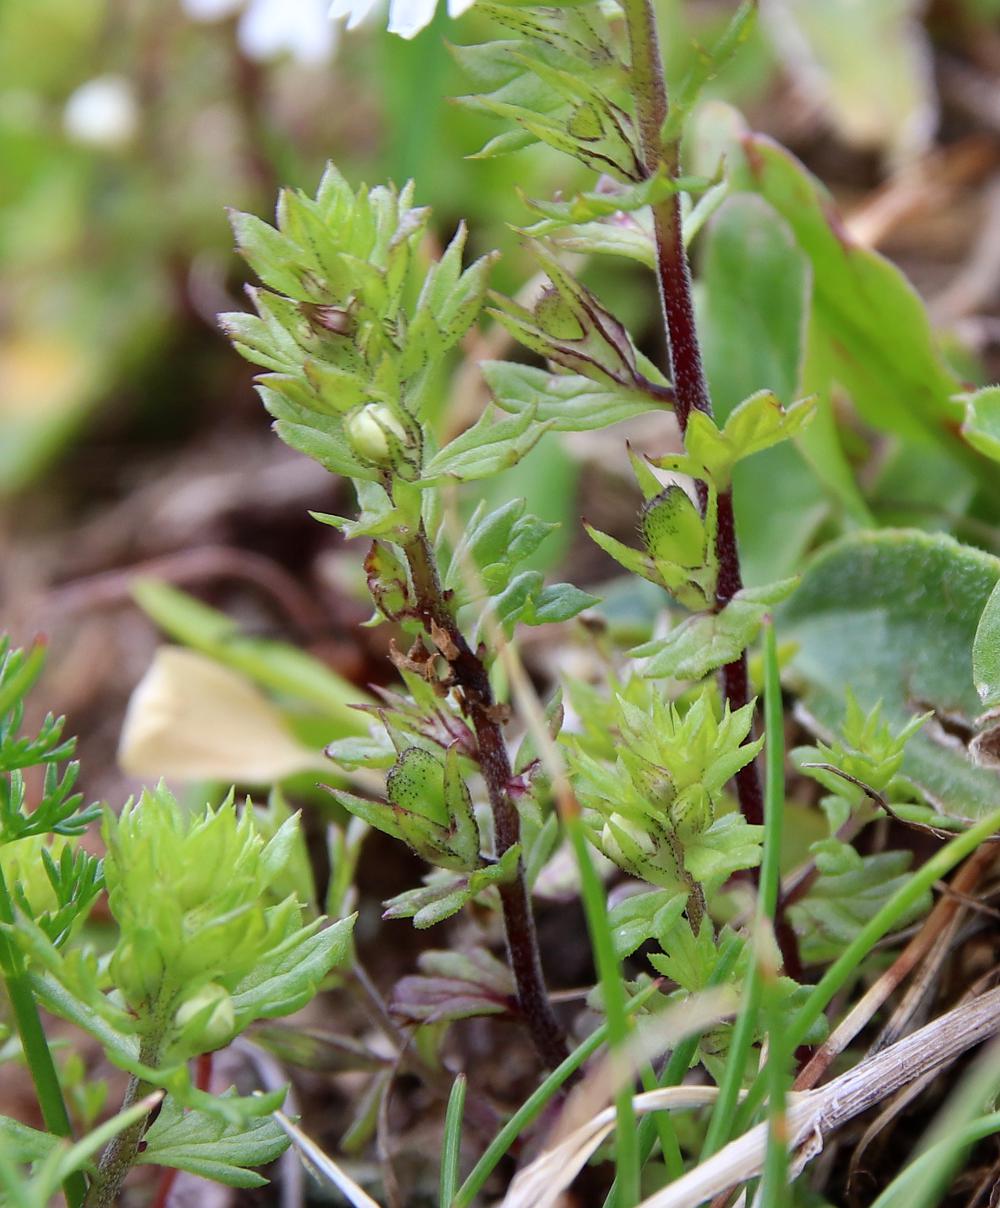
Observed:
{"x":657,"y":804}
{"x":356,"y":361}
{"x":609,"y":202}
{"x":204,"y":948}
{"x":58,"y":811}
{"x":869,"y":749}
{"x":494,"y":542}
{"x":569,"y":327}
{"x":868,"y":330}
{"x":444,"y":895}
{"x":52,"y":1162}
{"x":568,"y":402}
{"x":52,"y":881}
{"x":852,"y":889}
{"x":986,"y":652}
{"x":758,"y":423}
{"x":644,"y":916}
{"x":189,"y":895}
{"x":356,"y":327}
{"x":753,"y":308}
{"x":981,"y":426}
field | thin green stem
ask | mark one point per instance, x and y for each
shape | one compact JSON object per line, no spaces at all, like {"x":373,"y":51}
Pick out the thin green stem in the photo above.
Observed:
{"x":774,"y":1187}
{"x":720,"y":1125}
{"x":663,"y":1125}
{"x":118,"y":1158}
{"x":774,"y":1184}
{"x":907,"y":1189}
{"x":452,"y":1147}
{"x":533,"y":1106}
{"x":33,"y":1042}
{"x":614,"y":1001}
{"x":846,"y":965}
{"x":681,"y":1058}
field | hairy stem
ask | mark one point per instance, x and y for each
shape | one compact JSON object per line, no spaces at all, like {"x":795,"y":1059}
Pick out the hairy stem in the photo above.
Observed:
{"x":119,"y":1157}
{"x":686,"y":371}
{"x":472,"y":682}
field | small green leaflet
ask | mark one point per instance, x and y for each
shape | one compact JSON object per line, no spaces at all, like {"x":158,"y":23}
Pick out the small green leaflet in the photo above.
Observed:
{"x":211,"y":1147}
{"x":489,"y":446}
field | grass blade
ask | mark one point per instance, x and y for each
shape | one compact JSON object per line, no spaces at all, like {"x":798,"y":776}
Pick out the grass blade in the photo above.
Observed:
{"x":533,"y":1106}
{"x":452,"y":1145}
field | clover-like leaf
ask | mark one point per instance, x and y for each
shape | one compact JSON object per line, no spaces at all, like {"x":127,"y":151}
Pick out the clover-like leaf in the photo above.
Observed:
{"x":489,"y":446}
{"x":207,"y":1145}
{"x":707,"y":641}
{"x":455,"y":985}
{"x":568,"y":402}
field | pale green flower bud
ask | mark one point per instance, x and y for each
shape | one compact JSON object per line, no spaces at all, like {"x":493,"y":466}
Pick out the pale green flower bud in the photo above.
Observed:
{"x":375,"y":432}
{"x":207,"y":1020}
{"x":640,"y":837}
{"x":642,"y":849}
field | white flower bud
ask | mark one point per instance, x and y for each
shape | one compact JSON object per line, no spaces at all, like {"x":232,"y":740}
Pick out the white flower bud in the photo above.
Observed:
{"x":640,"y":837}
{"x":369,"y":429}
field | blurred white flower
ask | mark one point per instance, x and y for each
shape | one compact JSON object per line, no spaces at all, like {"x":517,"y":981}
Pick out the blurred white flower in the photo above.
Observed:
{"x":211,"y":10}
{"x":103,"y":112}
{"x":406,"y":17}
{"x":269,"y":28}
{"x":190,"y":718}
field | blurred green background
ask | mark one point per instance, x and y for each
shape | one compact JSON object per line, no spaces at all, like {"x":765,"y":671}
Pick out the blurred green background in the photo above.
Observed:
{"x":127,"y":127}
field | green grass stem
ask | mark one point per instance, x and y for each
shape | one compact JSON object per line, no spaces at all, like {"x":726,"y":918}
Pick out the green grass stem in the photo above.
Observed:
{"x":609,"y":976}
{"x":452,"y":1144}
{"x":533,"y":1106}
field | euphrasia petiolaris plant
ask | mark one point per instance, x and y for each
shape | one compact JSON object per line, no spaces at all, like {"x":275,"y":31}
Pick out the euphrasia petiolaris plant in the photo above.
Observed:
{"x":356,"y":328}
